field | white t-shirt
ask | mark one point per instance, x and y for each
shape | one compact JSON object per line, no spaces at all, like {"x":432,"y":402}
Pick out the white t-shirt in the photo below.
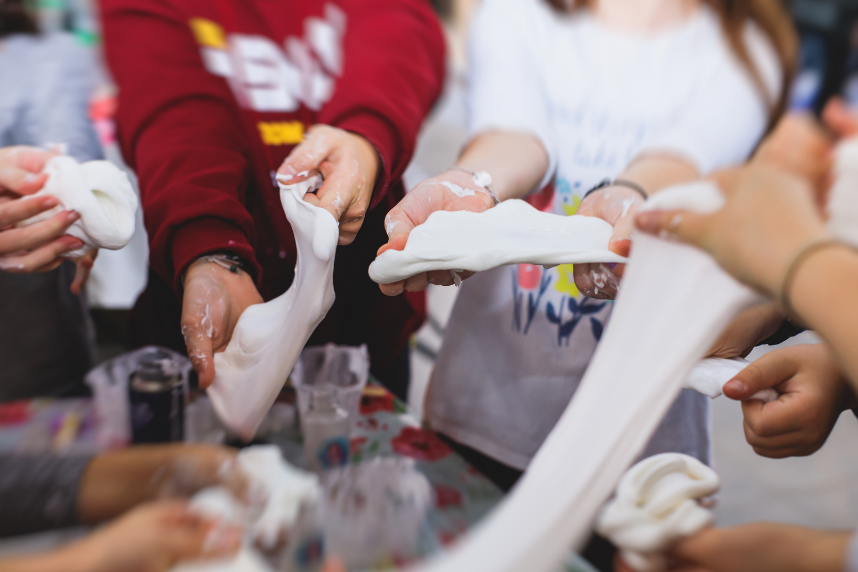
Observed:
{"x":520,"y":337}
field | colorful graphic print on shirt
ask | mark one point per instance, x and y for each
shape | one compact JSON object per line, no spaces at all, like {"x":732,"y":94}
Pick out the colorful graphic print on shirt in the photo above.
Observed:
{"x":267,"y":77}
{"x":534,"y":288}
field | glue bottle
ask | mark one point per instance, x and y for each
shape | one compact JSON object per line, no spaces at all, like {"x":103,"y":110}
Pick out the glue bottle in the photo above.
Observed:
{"x":326,"y":431}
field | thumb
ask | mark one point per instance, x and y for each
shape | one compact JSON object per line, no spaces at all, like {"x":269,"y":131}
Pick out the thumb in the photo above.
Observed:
{"x":21,"y":168}
{"x":199,"y":344}
{"x":769,"y":371}
{"x":682,"y":225}
{"x":21,"y":182}
{"x":398,"y":224}
{"x":305,"y":157}
{"x":334,"y":194}
{"x":621,"y":242}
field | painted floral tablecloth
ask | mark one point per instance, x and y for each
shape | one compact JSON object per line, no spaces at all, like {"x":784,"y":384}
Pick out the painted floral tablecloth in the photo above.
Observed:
{"x":462,"y":496}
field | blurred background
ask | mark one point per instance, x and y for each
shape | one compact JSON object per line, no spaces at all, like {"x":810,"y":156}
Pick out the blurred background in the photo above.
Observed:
{"x":819,"y":491}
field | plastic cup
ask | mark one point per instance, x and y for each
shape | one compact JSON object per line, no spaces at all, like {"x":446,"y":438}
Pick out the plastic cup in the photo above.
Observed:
{"x":343,"y":368}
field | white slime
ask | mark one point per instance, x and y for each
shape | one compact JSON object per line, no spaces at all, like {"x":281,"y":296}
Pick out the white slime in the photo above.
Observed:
{"x":269,"y":337}
{"x":100,"y":193}
{"x":511,"y":233}
{"x":636,"y":373}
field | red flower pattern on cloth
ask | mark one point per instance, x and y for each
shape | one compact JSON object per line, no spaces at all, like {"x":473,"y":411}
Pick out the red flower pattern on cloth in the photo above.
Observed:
{"x":419,"y":444}
{"x":373,"y":401}
{"x":356,"y":443}
{"x":447,"y":496}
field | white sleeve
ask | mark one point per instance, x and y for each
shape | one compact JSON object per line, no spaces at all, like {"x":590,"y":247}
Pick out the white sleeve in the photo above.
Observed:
{"x":726,"y":115}
{"x":506,"y":90}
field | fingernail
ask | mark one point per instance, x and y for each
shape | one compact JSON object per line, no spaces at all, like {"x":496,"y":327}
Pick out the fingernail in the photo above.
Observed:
{"x":736,"y":386}
{"x":72,"y":216}
{"x":286,"y":173}
{"x":49,"y":202}
{"x":611,"y":265}
{"x":30,"y":178}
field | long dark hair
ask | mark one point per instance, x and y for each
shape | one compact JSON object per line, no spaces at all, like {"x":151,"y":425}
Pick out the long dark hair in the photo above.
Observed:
{"x":769,"y":15}
{"x":15,"y":19}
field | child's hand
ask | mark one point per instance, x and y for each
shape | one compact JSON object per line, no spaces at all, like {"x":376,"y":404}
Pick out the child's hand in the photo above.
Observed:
{"x":747,"y":330}
{"x":618,"y":206}
{"x":37,"y":247}
{"x":21,"y":169}
{"x":349,"y":164}
{"x":768,"y":218}
{"x":813,"y":395}
{"x":454,"y":190}
{"x":800,"y":147}
{"x":117,"y":481}
{"x":152,"y":538}
{"x":762,"y":547}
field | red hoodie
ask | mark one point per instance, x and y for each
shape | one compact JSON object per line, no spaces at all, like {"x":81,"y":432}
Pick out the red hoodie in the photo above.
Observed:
{"x":214,"y":94}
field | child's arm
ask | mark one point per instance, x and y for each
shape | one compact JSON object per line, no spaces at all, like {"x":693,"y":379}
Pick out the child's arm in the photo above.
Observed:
{"x":152,"y":537}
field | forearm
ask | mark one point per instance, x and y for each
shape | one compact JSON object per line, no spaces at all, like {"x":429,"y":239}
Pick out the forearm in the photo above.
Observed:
{"x":118,"y":481}
{"x":66,"y":559}
{"x":655,"y":172}
{"x":823,"y":296}
{"x":516,"y":162}
{"x":826,"y":552}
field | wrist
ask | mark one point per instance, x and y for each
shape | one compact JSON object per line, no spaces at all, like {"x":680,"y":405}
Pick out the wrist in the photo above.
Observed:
{"x":480,"y":180}
{"x":80,"y":556}
{"x":817,"y":258}
{"x":619,"y":185}
{"x":825,"y":551}
{"x":227,"y":262}
{"x":783,"y":256}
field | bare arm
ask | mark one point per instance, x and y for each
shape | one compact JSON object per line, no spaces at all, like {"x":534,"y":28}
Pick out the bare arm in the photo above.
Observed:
{"x":116,"y":482}
{"x":516,"y":162}
{"x":823,"y":295}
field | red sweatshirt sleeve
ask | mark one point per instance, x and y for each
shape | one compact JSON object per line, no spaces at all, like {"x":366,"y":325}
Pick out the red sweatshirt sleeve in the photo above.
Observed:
{"x":392,"y":74}
{"x":179,"y":128}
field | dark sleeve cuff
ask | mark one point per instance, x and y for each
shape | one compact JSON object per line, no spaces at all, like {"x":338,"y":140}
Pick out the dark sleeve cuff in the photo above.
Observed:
{"x":39,"y":492}
{"x":206,"y":236}
{"x":382,"y":135}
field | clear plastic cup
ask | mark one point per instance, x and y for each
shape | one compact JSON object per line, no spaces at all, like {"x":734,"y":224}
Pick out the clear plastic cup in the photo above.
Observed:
{"x":343,"y":368}
{"x":373,"y":512}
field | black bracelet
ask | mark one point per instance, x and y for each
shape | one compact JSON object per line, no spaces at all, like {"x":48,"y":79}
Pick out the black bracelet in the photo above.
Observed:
{"x":232,"y":262}
{"x":617,"y":183}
